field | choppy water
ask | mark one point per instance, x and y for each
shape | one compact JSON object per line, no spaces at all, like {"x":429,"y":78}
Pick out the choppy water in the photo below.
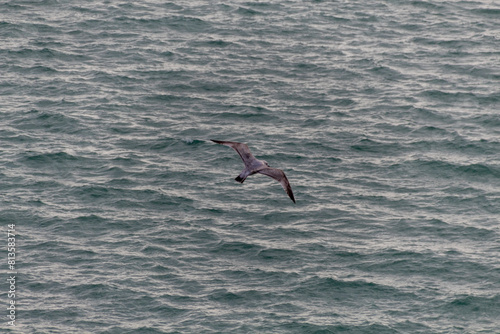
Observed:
{"x":384,"y":115}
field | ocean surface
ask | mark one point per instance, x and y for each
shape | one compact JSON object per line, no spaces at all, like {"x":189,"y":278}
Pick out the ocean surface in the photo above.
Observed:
{"x":384,"y":115}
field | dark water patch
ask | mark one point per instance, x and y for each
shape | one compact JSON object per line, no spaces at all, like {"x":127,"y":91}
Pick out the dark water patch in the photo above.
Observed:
{"x":444,"y":169}
{"x":92,"y":192}
{"x":467,"y":306}
{"x":480,"y":72}
{"x":441,"y":229}
{"x":271,"y":217}
{"x":127,"y":83}
{"x":493,"y":12}
{"x":167,"y":98}
{"x":281,"y":158}
{"x":306,"y":327}
{"x":333,"y":160}
{"x":169,"y":145}
{"x":384,"y":201}
{"x":468,"y":69}
{"x":204,"y":237}
{"x":38,"y":70}
{"x":83,"y":258}
{"x":93,"y":291}
{"x":124,"y":129}
{"x":9,"y":7}
{"x":475,"y":233}
{"x":91,"y":219}
{"x":346,"y":291}
{"x":431,"y":115}
{"x":50,"y":50}
{"x":111,"y":34}
{"x":154,"y":250}
{"x":55,"y":103}
{"x":253,"y":110}
{"x":450,"y":97}
{"x":51,"y":248}
{"x":119,"y":180}
{"x":278,"y":254}
{"x":124,"y":161}
{"x":169,"y":273}
{"x":237,"y":248}
{"x":244,"y":116}
{"x":430,"y":130}
{"x":341,"y":102}
{"x":211,"y":212}
{"x":224,"y":296}
{"x":387,"y":127}
{"x":62,"y":162}
{"x":186,"y":24}
{"x":373,"y":146}
{"x":59,"y":157}
{"x":68,"y":312}
{"x":139,"y":330}
{"x":248,"y":12}
{"x":489,"y":100}
{"x":35,"y":120}
{"x":172,"y":79}
{"x":211,"y":86}
{"x":213,"y":44}
{"x":450,"y":266}
{"x":240,"y":298}
{"x":148,"y":195}
{"x":487,"y":121}
{"x":163,"y":201}
{"x":165,"y":311}
{"x":315,"y":145}
{"x":446,"y":142}
{"x":479,"y":171}
{"x":42,"y":53}
{"x":81,"y":226}
{"x":298,"y":233}
{"x":387,"y":73}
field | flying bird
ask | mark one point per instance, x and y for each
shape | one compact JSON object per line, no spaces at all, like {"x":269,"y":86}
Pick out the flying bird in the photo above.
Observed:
{"x":253,"y":166}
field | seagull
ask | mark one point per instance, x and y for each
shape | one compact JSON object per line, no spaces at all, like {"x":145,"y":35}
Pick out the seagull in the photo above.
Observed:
{"x":253,"y":166}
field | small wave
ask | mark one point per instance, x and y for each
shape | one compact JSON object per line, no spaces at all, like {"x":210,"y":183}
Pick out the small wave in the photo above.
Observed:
{"x":49,"y":158}
{"x":373,"y":146}
{"x":475,"y":306}
{"x":236,"y":248}
{"x":35,"y":121}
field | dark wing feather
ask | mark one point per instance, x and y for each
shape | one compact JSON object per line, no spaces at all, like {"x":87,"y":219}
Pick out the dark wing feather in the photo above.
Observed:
{"x":279,"y":176}
{"x":241,"y":148}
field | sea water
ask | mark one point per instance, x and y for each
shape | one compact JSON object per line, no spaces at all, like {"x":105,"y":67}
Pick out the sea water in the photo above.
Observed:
{"x":126,"y":218}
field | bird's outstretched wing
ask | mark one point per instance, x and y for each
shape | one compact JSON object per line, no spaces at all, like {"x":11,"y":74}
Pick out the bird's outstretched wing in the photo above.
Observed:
{"x":279,"y":176}
{"x":241,"y":148}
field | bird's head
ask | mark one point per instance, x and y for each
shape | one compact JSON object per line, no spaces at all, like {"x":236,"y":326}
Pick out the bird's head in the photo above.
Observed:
{"x":265,"y":163}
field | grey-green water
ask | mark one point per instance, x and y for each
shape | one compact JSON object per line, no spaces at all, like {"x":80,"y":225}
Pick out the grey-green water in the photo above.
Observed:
{"x":383,"y":114}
